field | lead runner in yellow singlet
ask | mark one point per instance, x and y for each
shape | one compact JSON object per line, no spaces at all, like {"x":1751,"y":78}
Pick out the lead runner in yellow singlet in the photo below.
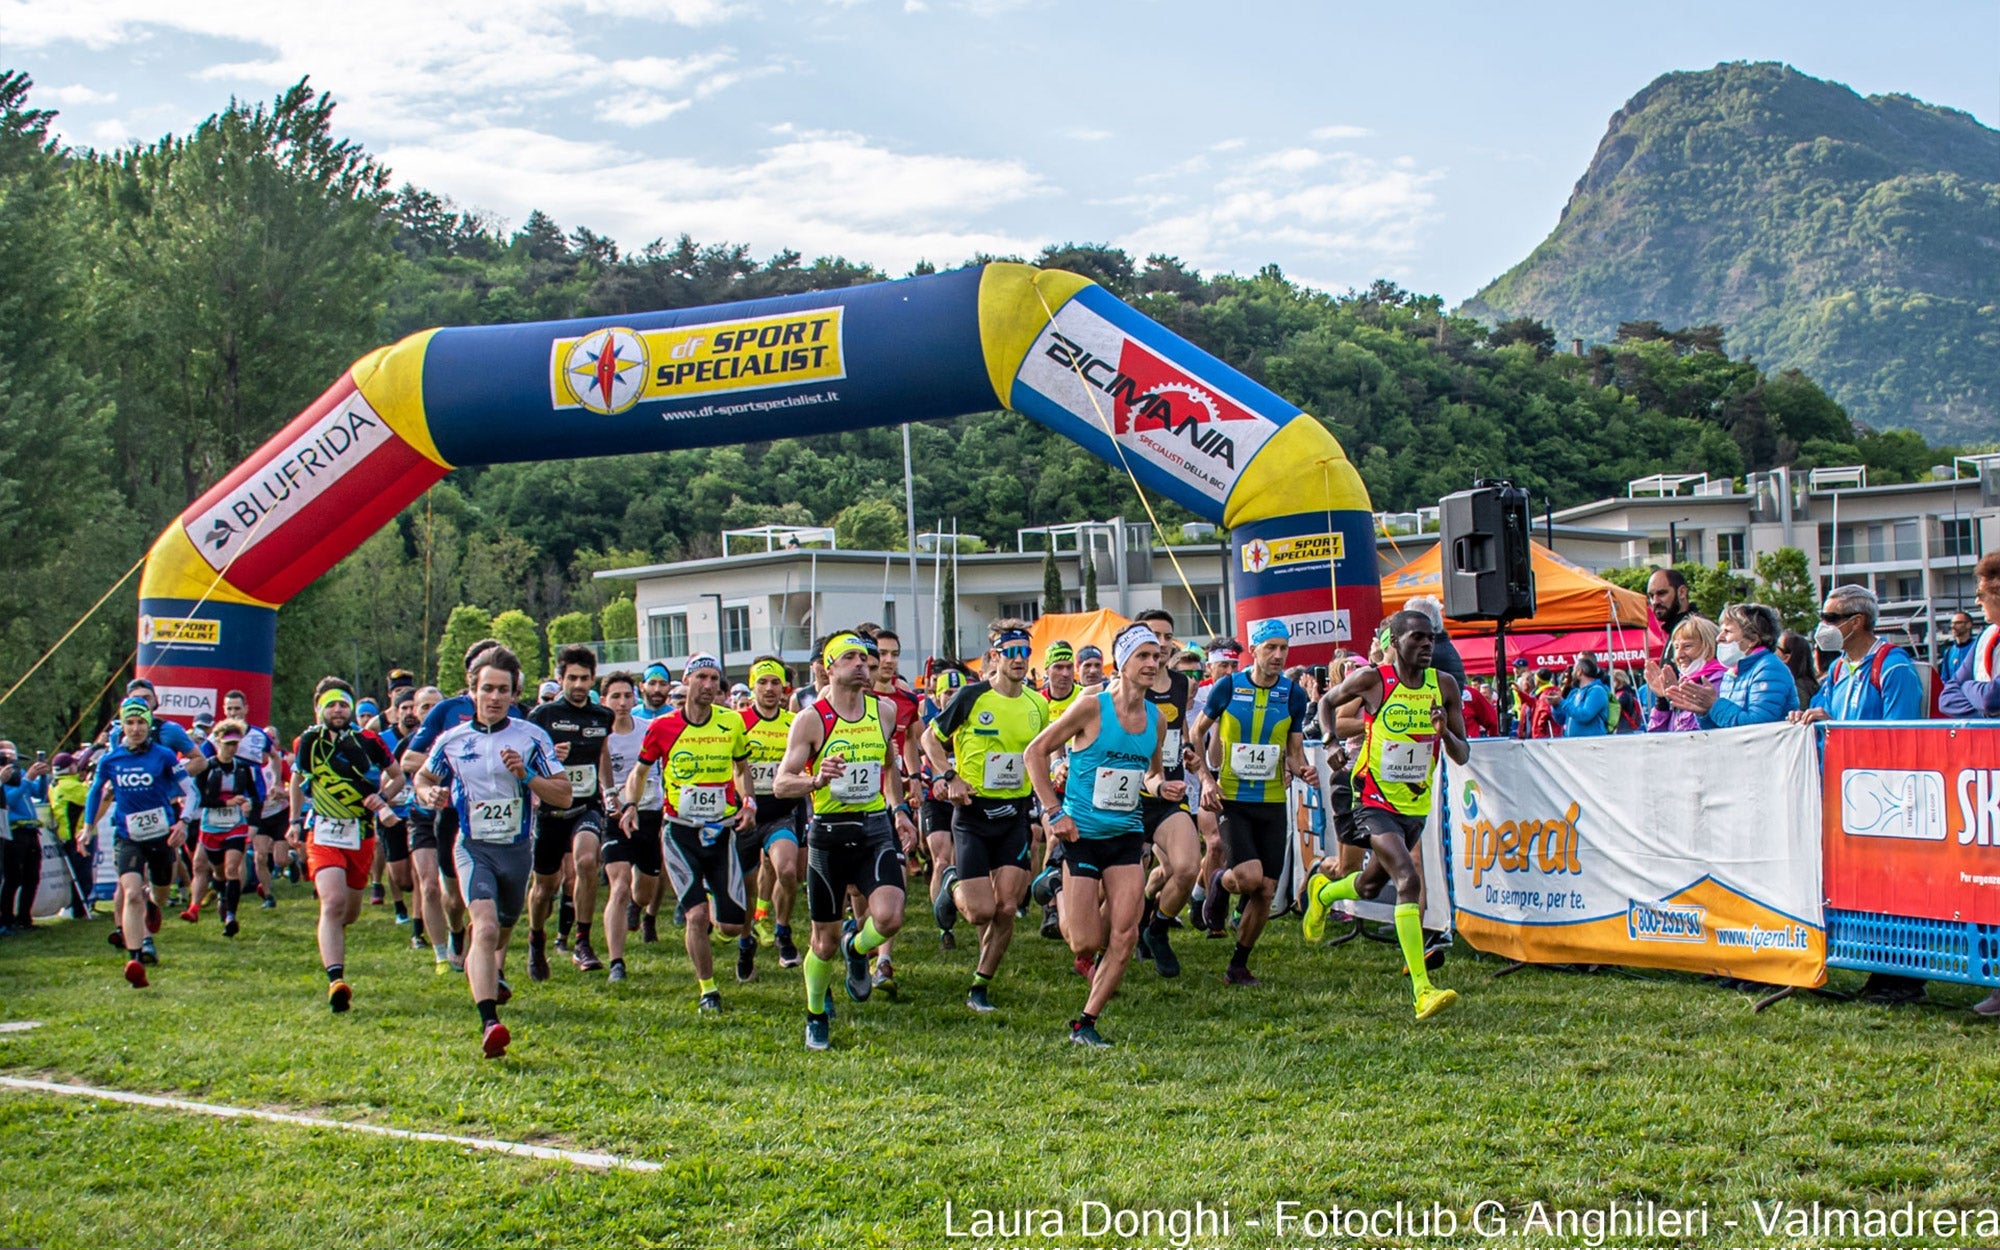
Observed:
{"x":1411,"y":709}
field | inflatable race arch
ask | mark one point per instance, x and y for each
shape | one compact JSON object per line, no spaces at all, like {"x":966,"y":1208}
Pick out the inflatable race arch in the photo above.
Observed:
{"x":1050,"y":345}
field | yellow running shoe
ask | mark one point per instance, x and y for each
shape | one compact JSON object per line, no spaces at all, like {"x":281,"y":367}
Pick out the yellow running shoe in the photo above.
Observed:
{"x":766,"y":932}
{"x":1431,"y":1002}
{"x":443,"y":966}
{"x":1314,"y":926}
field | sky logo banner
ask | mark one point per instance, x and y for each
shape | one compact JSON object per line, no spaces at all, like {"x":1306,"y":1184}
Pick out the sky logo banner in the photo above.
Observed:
{"x":1913,"y":821}
{"x":1597,"y":850}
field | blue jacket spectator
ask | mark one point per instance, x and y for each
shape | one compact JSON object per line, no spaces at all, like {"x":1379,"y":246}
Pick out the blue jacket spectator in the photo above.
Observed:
{"x":1759,"y":688}
{"x":1871,"y":680}
{"x":1585,"y":709}
{"x":1954,"y":654}
{"x":1973,"y":688}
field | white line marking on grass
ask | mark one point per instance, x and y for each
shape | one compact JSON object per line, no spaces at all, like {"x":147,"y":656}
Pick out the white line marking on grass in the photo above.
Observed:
{"x":19,"y":1026}
{"x":582,"y":1158}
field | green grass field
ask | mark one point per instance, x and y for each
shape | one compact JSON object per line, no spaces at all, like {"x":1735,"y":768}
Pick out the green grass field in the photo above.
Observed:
{"x":1317,"y":1087}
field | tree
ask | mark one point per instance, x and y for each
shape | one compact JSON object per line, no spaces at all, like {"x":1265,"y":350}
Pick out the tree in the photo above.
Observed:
{"x":1089,"y":580}
{"x":1784,"y":581}
{"x":467,"y":625}
{"x":517,"y":630}
{"x":869,"y":525}
{"x":1052,"y":588}
{"x":619,"y":619}
{"x":948,"y":611}
{"x":568,"y":628}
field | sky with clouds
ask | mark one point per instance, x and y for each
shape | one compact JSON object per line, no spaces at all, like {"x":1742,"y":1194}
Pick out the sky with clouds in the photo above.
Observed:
{"x":1430,"y":144}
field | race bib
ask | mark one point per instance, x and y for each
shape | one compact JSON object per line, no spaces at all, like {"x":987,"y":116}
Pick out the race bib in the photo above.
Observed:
{"x":341,"y":835}
{"x":1170,"y":749}
{"x":495,"y":820}
{"x":582,"y":781}
{"x":703,"y":802}
{"x":1408,"y":763}
{"x":220,"y":819}
{"x":147,"y":825}
{"x":764,"y":778}
{"x":859,"y":784}
{"x":1005,"y":770}
{"x":1117,"y":789}
{"x":1254,"y":761}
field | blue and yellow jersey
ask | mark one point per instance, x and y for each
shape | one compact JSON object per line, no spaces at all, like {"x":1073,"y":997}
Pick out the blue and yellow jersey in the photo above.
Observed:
{"x":1255,"y":725}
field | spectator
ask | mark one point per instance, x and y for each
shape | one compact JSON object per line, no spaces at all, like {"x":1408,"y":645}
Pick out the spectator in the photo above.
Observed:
{"x":1693,"y":661}
{"x":1482,"y":719}
{"x":1667,"y":596}
{"x":1758,"y":689}
{"x":25,"y":786}
{"x":1797,"y":653}
{"x":68,"y":793}
{"x":1444,"y":656}
{"x":1539,"y":698}
{"x":1970,"y":690}
{"x":1585,"y":711}
{"x":1631,"y":717}
{"x":1872,"y":680}
{"x":1960,"y":646}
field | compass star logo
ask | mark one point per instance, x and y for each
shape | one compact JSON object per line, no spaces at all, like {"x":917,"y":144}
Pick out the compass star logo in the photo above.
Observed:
{"x":607,"y":370}
{"x":1256,"y":555}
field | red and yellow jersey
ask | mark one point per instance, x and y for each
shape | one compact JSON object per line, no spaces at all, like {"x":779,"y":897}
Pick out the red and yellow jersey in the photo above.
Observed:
{"x":697,"y":763}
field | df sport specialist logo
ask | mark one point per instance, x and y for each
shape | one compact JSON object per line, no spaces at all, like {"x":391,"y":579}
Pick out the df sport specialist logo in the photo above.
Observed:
{"x":607,"y":369}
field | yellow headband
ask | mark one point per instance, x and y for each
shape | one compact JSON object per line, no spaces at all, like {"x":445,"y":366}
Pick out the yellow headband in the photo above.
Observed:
{"x":768,"y":668}
{"x":839,"y":645}
{"x":335,"y":695}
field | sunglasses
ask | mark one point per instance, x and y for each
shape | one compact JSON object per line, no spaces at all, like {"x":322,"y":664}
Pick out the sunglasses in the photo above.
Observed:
{"x":1017,"y":650}
{"x":1835,"y":618}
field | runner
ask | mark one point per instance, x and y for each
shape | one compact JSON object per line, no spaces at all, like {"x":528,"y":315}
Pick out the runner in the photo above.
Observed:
{"x":839,"y":755}
{"x":708,"y":805}
{"x":434,"y":921}
{"x":340,"y":762}
{"x":1090,"y":668}
{"x":231,"y":793}
{"x":653,"y":693}
{"x":494,"y":765}
{"x":175,"y":739}
{"x":989,"y":725}
{"x":1413,"y":709}
{"x":632,"y":830}
{"x":936,"y":812}
{"x":905,"y":711}
{"x":1114,"y":740}
{"x":768,"y":724}
{"x":146,"y":783}
{"x":1060,"y":689}
{"x":1258,"y":715}
{"x":581,"y":730}
{"x":1170,"y":826}
{"x":393,"y":851}
{"x":439,"y":834}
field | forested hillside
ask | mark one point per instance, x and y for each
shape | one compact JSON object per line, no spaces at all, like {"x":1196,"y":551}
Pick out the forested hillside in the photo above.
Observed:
{"x":1856,"y":239}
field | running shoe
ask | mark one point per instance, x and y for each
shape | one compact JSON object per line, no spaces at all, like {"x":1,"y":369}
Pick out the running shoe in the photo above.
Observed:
{"x":269,"y":903}
{"x":1052,"y":923}
{"x":375,"y":895}
{"x":1431,"y":1002}
{"x":617,"y":970}
{"x":765,"y":932}
{"x":819,"y":1036}
{"x":1086,"y":1035}
{"x":947,"y":940}
{"x":976,"y":998}
{"x":1239,"y":976}
{"x":148,"y":953}
{"x":495,"y":1040}
{"x":788,"y":951}
{"x":1084,"y":966}
{"x":1215,"y":908}
{"x":649,"y":928}
{"x":584,"y":957}
{"x":746,"y":958}
{"x":443,"y":966}
{"x":192,"y":915}
{"x":538,"y":960}
{"x":859,"y":987}
{"x":1165,"y":962}
{"x":338,"y":996}
{"x":135,"y":972}
{"x":417,"y":942}
{"x":504,"y":994}
{"x":229,"y":926}
{"x":402,"y":912}
{"x":710,"y":1004}
{"x":884,"y":978}
{"x":152,"y":916}
{"x":944,"y":908}
{"x":631,"y":917}
{"x":1313,"y":925}
{"x":116,"y":938}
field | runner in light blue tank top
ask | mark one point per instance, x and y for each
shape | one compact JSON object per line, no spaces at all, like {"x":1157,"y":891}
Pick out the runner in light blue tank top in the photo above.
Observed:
{"x":1105,"y":777}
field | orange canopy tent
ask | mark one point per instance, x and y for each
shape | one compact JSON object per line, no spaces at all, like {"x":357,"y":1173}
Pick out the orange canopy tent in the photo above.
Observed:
{"x":1078,"y":629}
{"x":1575,"y":611}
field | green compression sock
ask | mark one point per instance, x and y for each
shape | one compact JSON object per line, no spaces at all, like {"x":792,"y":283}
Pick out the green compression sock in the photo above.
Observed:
{"x":1334,"y":891}
{"x":1410,"y":936}
{"x":819,"y":975}
{"x":869,"y":938}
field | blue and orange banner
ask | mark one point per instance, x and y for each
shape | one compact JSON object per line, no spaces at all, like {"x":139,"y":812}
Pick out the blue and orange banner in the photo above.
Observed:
{"x":1698,"y":851}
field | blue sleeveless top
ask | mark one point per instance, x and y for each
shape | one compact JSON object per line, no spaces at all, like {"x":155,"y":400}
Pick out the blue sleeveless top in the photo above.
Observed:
{"x":1105,"y":778}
